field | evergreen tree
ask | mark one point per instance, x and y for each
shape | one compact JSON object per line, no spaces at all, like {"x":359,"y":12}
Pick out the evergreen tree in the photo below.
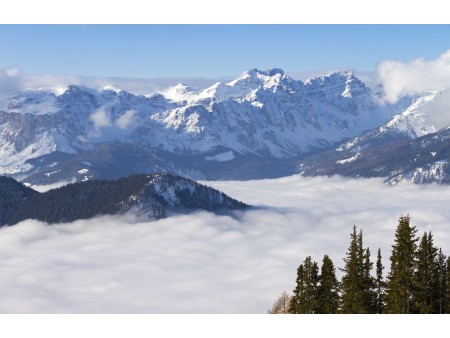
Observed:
{"x":399,"y":291}
{"x":379,"y":285}
{"x":328,"y":290}
{"x":304,"y":299}
{"x":426,"y":276}
{"x":298,"y":291}
{"x":442,"y":304}
{"x":368,"y":284}
{"x":357,"y":284}
{"x":447,"y":296}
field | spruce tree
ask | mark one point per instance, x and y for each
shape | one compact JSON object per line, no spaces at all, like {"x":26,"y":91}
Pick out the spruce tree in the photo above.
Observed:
{"x":328,"y":290}
{"x":399,"y":290}
{"x":298,"y":291}
{"x":379,"y":285}
{"x":369,"y":284}
{"x":447,"y":296}
{"x":305,"y":292}
{"x":442,"y":305}
{"x":426,"y":278}
{"x":357,"y":285}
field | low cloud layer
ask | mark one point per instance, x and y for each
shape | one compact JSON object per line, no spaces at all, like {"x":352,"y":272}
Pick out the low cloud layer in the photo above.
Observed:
{"x":417,"y":76}
{"x":12,"y":80}
{"x":204,"y":263}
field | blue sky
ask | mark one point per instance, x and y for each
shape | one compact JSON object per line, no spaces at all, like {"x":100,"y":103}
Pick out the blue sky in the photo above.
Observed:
{"x":211,"y":51}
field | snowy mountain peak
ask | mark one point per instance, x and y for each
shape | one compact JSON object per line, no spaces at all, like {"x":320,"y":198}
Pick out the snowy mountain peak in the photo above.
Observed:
{"x":342,"y":83}
{"x":274,"y":71}
{"x":338,"y":76}
{"x":256,"y":77}
{"x":180,"y":92}
{"x":112,"y":88}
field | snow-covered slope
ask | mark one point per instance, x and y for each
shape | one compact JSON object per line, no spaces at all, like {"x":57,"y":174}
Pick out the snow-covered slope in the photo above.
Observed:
{"x":36,"y":123}
{"x":394,"y":156}
{"x":265,"y":113}
{"x":374,"y":152}
{"x":253,"y":126}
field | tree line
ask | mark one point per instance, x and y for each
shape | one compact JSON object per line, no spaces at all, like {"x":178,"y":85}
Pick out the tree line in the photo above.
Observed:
{"x":418,"y":280}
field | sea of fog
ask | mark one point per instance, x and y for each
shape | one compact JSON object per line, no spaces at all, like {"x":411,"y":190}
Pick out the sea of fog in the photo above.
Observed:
{"x":206,"y":263}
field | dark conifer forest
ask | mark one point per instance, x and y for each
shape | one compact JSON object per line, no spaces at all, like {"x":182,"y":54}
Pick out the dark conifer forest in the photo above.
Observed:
{"x":153,"y":195}
{"x":418,"y":281}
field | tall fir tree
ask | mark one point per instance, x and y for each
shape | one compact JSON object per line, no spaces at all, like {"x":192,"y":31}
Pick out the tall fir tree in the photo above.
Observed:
{"x":304,"y":299}
{"x":298,"y":291}
{"x":442,"y":303}
{"x":400,"y":280}
{"x":328,"y":289}
{"x":426,"y":276}
{"x":351,"y":297}
{"x":447,"y":295}
{"x":379,"y":285}
{"x":357,"y":285}
{"x":368,"y":284}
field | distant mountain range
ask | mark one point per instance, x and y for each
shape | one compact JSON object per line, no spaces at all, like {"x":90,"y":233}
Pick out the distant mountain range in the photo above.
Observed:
{"x":155,"y":196}
{"x":262,"y":124}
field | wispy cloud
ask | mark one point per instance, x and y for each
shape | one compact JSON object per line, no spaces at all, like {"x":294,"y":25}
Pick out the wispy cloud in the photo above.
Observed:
{"x":100,"y":119}
{"x":12,"y":80}
{"x":9,"y":81}
{"x":204,"y":263}
{"x":417,"y":76}
{"x":127,"y":119}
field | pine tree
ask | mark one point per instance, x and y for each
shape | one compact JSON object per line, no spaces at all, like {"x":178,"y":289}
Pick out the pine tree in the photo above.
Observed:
{"x":425,"y":292}
{"x":328,"y":290}
{"x":379,"y":285}
{"x":399,"y":291}
{"x":357,"y":284}
{"x":304,"y":299}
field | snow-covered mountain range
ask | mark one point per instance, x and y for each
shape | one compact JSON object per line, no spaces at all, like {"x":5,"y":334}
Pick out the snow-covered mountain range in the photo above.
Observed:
{"x":266,"y":113}
{"x":262,"y":124}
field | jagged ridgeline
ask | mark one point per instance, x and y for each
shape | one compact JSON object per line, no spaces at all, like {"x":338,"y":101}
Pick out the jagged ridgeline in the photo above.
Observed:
{"x":155,"y":195}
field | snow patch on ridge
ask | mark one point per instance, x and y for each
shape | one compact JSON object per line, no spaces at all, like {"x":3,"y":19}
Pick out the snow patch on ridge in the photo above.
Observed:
{"x":348,"y":160}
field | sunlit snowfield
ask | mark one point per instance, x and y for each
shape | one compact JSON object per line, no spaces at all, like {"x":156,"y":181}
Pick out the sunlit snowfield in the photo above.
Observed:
{"x":203,"y":263}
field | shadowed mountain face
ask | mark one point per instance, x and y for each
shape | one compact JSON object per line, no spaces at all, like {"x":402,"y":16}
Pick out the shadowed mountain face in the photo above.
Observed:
{"x":155,"y":195}
{"x":396,"y":157}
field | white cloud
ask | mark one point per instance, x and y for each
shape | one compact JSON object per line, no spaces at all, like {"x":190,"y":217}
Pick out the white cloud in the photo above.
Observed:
{"x":100,"y":119}
{"x":12,"y":80}
{"x":127,"y":119}
{"x":13,"y":71}
{"x":417,"y":76}
{"x":204,"y":263}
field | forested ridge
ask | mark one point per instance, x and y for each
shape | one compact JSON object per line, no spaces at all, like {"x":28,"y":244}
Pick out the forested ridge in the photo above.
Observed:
{"x":152,"y":194}
{"x":418,"y":281}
